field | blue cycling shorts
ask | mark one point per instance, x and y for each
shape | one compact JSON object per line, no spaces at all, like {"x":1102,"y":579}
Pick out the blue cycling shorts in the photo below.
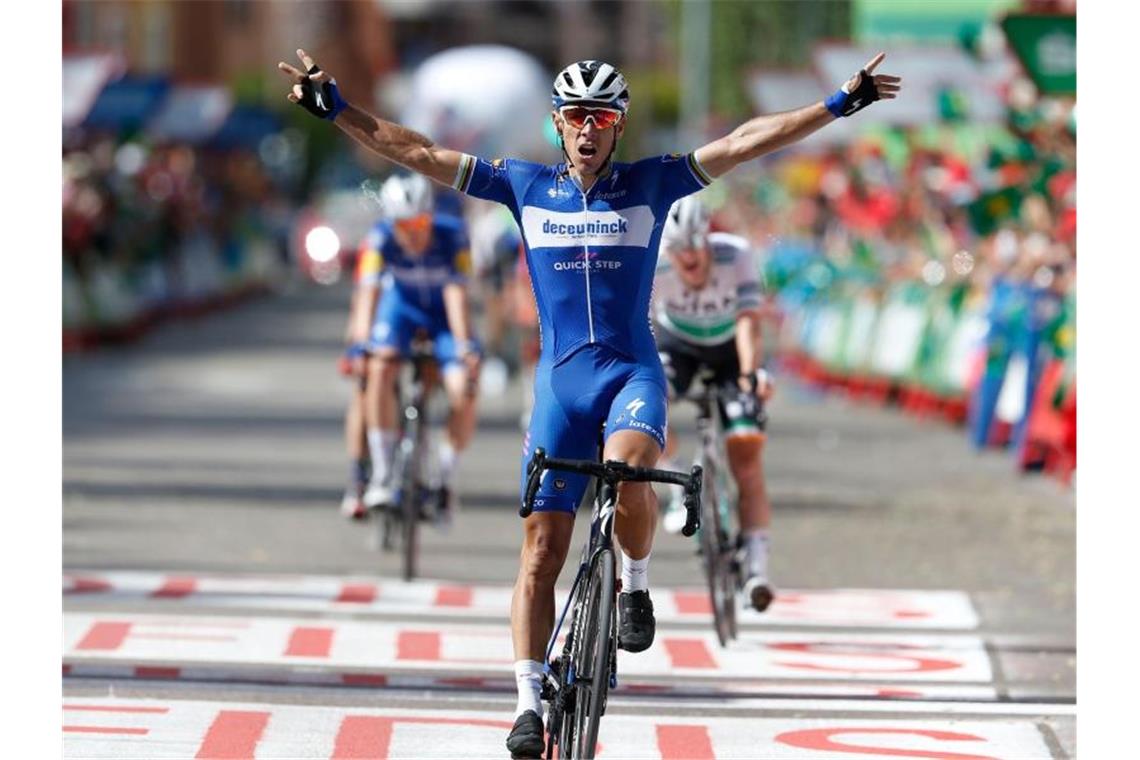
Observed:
{"x":397,"y":321}
{"x":572,"y":399}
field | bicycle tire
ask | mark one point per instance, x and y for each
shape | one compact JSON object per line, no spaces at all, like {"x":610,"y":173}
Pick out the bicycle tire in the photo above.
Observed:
{"x":390,"y":525}
{"x":410,"y":506}
{"x":712,"y":557}
{"x":592,"y":648}
{"x":730,"y":569}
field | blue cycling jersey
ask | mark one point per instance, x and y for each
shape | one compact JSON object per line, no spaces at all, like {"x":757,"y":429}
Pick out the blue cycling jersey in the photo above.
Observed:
{"x":417,"y":280}
{"x":591,"y":255}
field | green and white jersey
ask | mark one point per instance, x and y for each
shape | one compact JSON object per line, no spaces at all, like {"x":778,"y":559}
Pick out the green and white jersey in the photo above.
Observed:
{"x":707,"y":317}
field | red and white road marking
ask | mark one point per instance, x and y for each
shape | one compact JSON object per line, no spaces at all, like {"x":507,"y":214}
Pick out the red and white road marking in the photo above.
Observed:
{"x":949,"y":610}
{"x":107,"y":728}
{"x":158,"y":640}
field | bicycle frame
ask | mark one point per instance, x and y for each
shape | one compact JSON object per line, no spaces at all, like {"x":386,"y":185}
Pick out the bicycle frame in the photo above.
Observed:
{"x":409,"y":467}
{"x":561,"y":682}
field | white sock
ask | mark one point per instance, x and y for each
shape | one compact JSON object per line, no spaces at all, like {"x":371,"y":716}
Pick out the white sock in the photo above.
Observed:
{"x":448,"y":461}
{"x":381,"y":444}
{"x":528,"y":678}
{"x":756,"y":545}
{"x":634,"y":573}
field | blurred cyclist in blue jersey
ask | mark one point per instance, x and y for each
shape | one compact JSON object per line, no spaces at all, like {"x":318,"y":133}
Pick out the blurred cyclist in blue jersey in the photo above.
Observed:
{"x":422,"y":262}
{"x":591,"y":228}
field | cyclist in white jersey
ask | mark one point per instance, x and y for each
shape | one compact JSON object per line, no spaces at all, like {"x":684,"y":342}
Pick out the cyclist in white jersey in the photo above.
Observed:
{"x":706,"y":301}
{"x":591,"y":228}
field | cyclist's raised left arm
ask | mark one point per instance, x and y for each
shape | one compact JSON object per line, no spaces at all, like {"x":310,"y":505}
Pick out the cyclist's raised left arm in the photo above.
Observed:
{"x":770,"y":132}
{"x":315,"y":90}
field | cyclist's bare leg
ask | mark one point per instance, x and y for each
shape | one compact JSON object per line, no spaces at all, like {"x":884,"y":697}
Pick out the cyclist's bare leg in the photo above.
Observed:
{"x":745,"y":461}
{"x":671,"y":495}
{"x":380,"y":410}
{"x":355,"y":441}
{"x":462,"y":391}
{"x":671,"y":445}
{"x":636,"y":519}
{"x":546,"y":540}
{"x":459,"y":383}
{"x":356,"y":446}
{"x":380,"y":392}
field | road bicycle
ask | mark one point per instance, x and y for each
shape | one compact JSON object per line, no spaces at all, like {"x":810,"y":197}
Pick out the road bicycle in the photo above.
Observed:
{"x":415,"y":498}
{"x":719,"y":551}
{"x":576,"y":684}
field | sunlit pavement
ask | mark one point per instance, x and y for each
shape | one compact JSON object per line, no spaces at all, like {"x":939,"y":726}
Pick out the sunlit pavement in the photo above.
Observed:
{"x":217,"y":605}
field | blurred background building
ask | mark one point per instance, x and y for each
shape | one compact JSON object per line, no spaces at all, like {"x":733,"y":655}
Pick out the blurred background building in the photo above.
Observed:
{"x":922,"y":254}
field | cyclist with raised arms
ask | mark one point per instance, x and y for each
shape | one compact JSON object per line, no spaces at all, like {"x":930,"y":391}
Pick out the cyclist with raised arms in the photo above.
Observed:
{"x":706,"y":302}
{"x":422,"y":261}
{"x":591,"y":228}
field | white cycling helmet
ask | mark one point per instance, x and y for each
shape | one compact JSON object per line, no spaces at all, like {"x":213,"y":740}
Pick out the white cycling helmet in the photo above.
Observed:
{"x":686,"y":224}
{"x":590,"y":83}
{"x":404,"y":196}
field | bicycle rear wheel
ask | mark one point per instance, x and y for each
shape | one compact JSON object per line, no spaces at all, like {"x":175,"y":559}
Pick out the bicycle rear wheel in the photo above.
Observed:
{"x":591,"y":659}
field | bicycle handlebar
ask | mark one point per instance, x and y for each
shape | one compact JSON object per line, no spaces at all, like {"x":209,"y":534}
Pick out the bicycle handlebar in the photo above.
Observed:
{"x":613,"y":472}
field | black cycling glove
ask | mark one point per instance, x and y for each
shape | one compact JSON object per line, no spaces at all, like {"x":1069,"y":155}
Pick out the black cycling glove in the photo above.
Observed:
{"x":321,"y":99}
{"x":844,"y":103}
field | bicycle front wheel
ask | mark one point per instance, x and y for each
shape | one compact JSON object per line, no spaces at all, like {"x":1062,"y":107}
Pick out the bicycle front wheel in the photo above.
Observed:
{"x":592,"y":660}
{"x":410,"y":496}
{"x":716,"y":558}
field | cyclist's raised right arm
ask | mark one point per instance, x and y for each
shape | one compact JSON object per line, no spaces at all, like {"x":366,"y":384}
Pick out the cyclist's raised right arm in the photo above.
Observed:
{"x":315,"y":90}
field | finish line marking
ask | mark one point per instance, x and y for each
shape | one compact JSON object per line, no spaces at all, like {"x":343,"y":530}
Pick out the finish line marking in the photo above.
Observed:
{"x":848,"y":608}
{"x":464,"y":649}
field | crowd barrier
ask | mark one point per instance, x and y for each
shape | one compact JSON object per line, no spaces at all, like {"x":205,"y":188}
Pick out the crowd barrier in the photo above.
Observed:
{"x":999,"y":363}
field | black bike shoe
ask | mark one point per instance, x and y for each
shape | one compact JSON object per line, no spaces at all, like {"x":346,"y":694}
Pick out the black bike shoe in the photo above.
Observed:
{"x":636,"y":624}
{"x":527,"y":739}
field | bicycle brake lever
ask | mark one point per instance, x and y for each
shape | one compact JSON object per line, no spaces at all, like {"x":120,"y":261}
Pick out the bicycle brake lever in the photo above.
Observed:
{"x":693,"y":501}
{"x":533,"y":478}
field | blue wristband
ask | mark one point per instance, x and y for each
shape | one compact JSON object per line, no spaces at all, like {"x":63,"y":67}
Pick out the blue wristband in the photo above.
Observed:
{"x":836,"y":102}
{"x":844,"y":103}
{"x":338,"y":103}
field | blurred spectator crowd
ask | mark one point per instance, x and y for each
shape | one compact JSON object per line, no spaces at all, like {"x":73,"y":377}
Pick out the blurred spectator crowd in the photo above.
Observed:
{"x":157,"y":228}
{"x":934,"y":268}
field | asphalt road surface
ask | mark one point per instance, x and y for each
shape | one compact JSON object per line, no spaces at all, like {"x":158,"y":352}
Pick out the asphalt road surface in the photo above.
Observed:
{"x":217,"y":605}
